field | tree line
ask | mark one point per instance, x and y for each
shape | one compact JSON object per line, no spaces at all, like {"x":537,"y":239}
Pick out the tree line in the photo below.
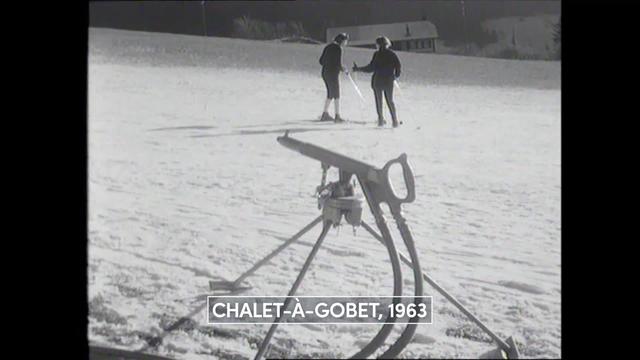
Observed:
{"x":219,"y":18}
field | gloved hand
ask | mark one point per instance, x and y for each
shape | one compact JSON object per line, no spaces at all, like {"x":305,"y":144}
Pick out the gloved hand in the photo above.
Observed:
{"x":355,"y":67}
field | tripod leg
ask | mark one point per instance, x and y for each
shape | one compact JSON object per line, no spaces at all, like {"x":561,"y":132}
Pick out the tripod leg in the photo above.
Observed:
{"x":275,"y":252}
{"x":444,"y":293}
{"x":294,"y":288}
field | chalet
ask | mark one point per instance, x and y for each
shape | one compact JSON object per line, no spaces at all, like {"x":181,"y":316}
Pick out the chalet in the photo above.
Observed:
{"x":415,"y":36}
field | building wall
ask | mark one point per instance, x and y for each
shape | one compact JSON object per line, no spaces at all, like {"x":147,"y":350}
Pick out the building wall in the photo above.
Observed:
{"x":416,"y":45}
{"x":365,"y":34}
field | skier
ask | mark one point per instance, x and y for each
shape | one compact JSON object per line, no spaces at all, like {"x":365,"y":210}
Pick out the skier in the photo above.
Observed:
{"x":385,"y":66}
{"x":331,"y":61}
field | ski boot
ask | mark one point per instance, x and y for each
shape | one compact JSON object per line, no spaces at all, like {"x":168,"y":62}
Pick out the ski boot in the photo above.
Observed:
{"x":326,"y":117}
{"x":382,"y":122}
{"x":338,"y":119}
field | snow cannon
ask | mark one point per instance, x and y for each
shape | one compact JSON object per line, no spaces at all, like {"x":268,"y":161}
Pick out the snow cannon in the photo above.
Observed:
{"x":377,"y":188}
{"x":338,"y":200}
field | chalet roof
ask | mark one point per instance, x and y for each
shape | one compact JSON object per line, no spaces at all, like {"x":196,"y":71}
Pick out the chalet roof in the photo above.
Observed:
{"x":367,"y":34}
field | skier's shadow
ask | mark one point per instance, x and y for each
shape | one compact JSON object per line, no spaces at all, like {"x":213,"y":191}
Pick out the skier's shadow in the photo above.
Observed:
{"x":314,"y":125}
{"x":272,"y":131}
{"x":206,"y":127}
{"x":305,"y":122}
{"x":192,"y":127}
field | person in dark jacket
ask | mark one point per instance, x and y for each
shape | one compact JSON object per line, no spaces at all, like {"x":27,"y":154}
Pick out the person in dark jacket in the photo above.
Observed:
{"x":385,"y":67}
{"x":331,"y":61}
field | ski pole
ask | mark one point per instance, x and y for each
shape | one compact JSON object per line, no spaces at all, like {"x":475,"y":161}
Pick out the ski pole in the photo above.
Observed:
{"x":396,"y":82}
{"x":355,"y":86}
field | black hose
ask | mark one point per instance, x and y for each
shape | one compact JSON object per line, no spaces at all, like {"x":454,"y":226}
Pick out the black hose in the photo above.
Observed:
{"x":384,"y":332}
{"x":404,"y":339}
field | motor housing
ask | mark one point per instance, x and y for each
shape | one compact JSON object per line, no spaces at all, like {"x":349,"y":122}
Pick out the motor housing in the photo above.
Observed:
{"x":334,"y":208}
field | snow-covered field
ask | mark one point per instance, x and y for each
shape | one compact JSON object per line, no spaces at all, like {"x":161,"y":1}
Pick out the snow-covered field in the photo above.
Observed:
{"x":188,"y":184}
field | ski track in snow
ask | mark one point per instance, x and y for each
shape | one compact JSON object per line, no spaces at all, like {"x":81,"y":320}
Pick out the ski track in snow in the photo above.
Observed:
{"x":188,"y":184}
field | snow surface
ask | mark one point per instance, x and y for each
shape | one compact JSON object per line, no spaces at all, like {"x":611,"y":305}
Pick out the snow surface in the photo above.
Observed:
{"x":188,"y":184}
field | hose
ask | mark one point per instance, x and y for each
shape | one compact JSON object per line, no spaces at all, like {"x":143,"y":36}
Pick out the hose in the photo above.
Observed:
{"x":384,"y":332}
{"x":404,"y":339}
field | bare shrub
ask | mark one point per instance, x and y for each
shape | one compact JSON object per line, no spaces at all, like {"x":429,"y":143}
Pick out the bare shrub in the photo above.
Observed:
{"x":248,"y":28}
